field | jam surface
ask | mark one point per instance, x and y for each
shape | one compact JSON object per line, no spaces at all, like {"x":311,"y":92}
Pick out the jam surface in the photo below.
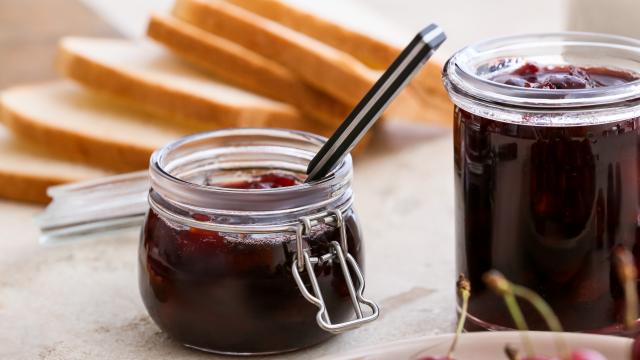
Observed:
{"x":262,"y":182}
{"x":532,"y":75}
{"x":235,"y":293}
{"x":547,"y":206}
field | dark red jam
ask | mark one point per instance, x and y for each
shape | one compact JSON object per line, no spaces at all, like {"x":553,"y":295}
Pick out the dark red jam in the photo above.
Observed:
{"x":235,"y":293}
{"x":532,"y":75}
{"x":266,"y":181}
{"x":546,"y":205}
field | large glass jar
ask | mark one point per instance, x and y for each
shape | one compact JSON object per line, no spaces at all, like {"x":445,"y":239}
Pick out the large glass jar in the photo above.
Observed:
{"x":547,"y":179}
{"x":226,"y":268}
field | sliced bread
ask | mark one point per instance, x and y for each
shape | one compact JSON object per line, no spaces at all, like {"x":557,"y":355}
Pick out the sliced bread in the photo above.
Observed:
{"x":76,"y":124}
{"x":327,"y":68}
{"x":27,"y":171}
{"x":374,"y":53}
{"x":148,"y":76}
{"x":73,"y":123}
{"x":244,"y":68}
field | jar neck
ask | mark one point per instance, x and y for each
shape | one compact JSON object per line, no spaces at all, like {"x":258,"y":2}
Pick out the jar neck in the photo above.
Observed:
{"x":468,"y":72}
{"x":183,"y":172}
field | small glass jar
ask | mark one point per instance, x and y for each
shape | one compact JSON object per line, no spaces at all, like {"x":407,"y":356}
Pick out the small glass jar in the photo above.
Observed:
{"x":250,"y":271}
{"x":547,"y":180}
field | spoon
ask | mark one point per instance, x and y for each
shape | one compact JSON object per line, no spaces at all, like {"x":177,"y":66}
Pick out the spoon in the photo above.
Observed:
{"x":377,"y":99}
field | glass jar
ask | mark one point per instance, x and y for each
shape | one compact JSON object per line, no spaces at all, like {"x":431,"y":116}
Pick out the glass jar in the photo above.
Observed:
{"x":546,"y":180}
{"x":250,"y":271}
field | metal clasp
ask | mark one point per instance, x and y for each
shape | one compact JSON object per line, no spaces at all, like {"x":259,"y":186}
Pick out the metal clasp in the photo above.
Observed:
{"x":303,"y":261}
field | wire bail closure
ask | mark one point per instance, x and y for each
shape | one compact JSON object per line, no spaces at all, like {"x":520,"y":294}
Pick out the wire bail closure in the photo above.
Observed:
{"x":339,"y":251}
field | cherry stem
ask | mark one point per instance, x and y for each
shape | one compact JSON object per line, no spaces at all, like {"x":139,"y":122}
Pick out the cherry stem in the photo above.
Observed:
{"x":464,"y":289}
{"x":498,"y":283}
{"x":628,"y":274}
{"x":547,"y":313}
{"x":511,"y":352}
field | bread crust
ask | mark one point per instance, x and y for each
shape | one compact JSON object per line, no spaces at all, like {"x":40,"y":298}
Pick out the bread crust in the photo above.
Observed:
{"x":314,"y":61}
{"x":334,"y":71}
{"x":372,"y":52}
{"x":26,"y":187}
{"x":244,"y":68}
{"x":167,"y":101}
{"x":76,"y":146}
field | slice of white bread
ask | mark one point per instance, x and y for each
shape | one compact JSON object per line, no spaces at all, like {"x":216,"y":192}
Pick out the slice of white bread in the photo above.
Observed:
{"x":372,"y":52}
{"x":327,"y":68}
{"x":27,"y":171}
{"x":244,"y":68}
{"x":151,"y":78}
{"x":75,"y":124}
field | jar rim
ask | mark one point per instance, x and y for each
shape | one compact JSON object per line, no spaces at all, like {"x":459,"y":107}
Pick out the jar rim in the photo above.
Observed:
{"x":466,"y":72}
{"x":297,"y":145}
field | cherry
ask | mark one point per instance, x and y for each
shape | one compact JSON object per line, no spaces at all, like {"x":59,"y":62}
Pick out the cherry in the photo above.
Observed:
{"x":531,"y":75}
{"x":513,"y":80}
{"x":635,"y":349}
{"x":586,"y":354}
{"x":563,"y":81}
{"x":527,"y":69}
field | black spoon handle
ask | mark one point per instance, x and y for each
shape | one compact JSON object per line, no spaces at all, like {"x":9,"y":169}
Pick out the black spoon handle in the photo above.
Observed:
{"x":368,"y":110}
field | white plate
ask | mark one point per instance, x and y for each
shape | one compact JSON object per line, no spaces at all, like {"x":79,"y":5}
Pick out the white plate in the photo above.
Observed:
{"x":490,"y":346}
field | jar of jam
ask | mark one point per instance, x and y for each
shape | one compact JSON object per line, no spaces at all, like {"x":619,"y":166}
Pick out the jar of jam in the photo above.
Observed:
{"x":547,"y":172}
{"x":238,"y":255}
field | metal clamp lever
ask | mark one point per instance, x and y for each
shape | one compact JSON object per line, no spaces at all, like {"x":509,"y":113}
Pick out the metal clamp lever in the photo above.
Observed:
{"x":357,"y":297}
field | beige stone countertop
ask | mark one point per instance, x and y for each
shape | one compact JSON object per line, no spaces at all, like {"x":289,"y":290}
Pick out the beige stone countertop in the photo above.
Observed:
{"x":81,"y":300}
